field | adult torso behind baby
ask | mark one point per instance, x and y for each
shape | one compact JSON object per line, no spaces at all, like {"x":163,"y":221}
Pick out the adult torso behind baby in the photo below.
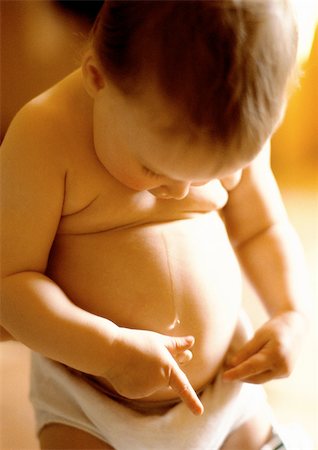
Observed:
{"x":143,"y":262}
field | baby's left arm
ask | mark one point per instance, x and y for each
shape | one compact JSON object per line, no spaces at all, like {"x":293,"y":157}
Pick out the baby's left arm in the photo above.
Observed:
{"x":272,"y":258}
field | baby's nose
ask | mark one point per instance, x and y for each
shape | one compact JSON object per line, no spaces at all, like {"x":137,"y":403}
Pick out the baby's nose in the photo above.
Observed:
{"x":178,"y":190}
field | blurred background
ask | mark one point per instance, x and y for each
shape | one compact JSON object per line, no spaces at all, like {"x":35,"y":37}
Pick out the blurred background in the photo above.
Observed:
{"x":41,"y":42}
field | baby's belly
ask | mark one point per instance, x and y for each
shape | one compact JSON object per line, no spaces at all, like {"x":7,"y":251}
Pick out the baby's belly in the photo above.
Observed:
{"x":176,"y":278}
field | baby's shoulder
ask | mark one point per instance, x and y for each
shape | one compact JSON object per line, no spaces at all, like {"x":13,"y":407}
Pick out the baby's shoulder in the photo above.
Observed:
{"x":39,"y":130}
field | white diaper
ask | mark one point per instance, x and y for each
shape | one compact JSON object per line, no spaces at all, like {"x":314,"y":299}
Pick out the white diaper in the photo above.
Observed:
{"x":61,"y":396}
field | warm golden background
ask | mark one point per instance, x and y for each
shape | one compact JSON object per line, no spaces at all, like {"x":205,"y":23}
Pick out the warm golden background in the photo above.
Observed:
{"x":41,"y":43}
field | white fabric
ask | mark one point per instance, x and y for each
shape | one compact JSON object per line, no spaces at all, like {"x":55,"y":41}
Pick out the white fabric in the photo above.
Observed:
{"x":60,"y":396}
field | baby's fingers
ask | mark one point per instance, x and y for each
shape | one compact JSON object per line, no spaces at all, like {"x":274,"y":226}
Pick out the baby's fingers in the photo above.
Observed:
{"x":184,"y":357}
{"x":260,"y":378}
{"x":254,"y":366}
{"x":177,"y":344}
{"x":181,"y":385}
{"x":249,"y":349}
{"x":179,"y":348}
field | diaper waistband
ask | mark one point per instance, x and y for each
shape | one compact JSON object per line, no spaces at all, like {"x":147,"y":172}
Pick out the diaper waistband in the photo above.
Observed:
{"x":148,"y":407}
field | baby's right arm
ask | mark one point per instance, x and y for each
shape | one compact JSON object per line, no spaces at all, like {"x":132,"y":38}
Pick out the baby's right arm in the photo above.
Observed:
{"x":34,"y":309}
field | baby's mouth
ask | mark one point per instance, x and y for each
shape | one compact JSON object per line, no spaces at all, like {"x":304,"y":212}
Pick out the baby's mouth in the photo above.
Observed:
{"x":160,"y":194}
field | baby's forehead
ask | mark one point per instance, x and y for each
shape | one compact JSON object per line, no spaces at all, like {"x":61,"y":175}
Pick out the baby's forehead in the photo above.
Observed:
{"x":164,"y":115}
{"x":152,"y":111}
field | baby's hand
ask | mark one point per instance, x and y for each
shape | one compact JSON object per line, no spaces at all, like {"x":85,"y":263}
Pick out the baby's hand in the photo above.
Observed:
{"x":143,"y":362}
{"x":271,"y":353}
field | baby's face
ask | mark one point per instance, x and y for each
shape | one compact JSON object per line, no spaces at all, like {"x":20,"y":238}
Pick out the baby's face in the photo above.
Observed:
{"x":142,"y":142}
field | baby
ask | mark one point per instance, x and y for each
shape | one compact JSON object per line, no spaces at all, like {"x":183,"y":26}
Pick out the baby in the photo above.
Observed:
{"x":134,"y":191}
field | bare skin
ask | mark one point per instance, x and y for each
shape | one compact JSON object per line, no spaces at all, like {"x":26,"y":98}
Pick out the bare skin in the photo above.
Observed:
{"x":125,"y":252}
{"x":62,"y":437}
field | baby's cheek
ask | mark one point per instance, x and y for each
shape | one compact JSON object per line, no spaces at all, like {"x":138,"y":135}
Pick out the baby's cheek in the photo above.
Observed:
{"x":138,"y":185}
{"x":231,"y":181}
{"x":135,"y":183}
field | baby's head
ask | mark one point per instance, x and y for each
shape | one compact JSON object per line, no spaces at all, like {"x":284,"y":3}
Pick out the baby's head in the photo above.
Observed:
{"x":222,"y":66}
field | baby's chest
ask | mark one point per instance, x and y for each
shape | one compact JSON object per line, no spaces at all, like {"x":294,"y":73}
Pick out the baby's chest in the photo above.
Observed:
{"x":97,"y":202}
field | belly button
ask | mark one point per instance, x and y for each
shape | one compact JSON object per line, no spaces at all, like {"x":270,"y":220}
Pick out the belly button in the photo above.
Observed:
{"x":175,"y":323}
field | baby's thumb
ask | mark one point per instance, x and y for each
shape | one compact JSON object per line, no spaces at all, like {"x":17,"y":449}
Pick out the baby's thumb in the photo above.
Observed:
{"x":176,"y":345}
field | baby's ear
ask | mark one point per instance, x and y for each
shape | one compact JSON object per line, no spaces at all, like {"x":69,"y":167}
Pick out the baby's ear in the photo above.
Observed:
{"x":93,"y":77}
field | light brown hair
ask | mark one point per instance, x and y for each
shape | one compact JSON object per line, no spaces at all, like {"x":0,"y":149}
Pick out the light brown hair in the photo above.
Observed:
{"x":225,"y":63}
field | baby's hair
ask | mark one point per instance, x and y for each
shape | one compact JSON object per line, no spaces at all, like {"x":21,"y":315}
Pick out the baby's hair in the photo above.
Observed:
{"x":225,"y":64}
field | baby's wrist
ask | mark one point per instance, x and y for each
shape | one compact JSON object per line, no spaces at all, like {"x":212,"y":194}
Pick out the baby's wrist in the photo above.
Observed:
{"x":291,"y":314}
{"x":96,"y":346}
{"x":113,"y":349}
{"x":295,"y":319}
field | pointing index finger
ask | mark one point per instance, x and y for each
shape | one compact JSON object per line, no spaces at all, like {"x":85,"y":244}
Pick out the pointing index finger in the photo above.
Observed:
{"x":180,"y":384}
